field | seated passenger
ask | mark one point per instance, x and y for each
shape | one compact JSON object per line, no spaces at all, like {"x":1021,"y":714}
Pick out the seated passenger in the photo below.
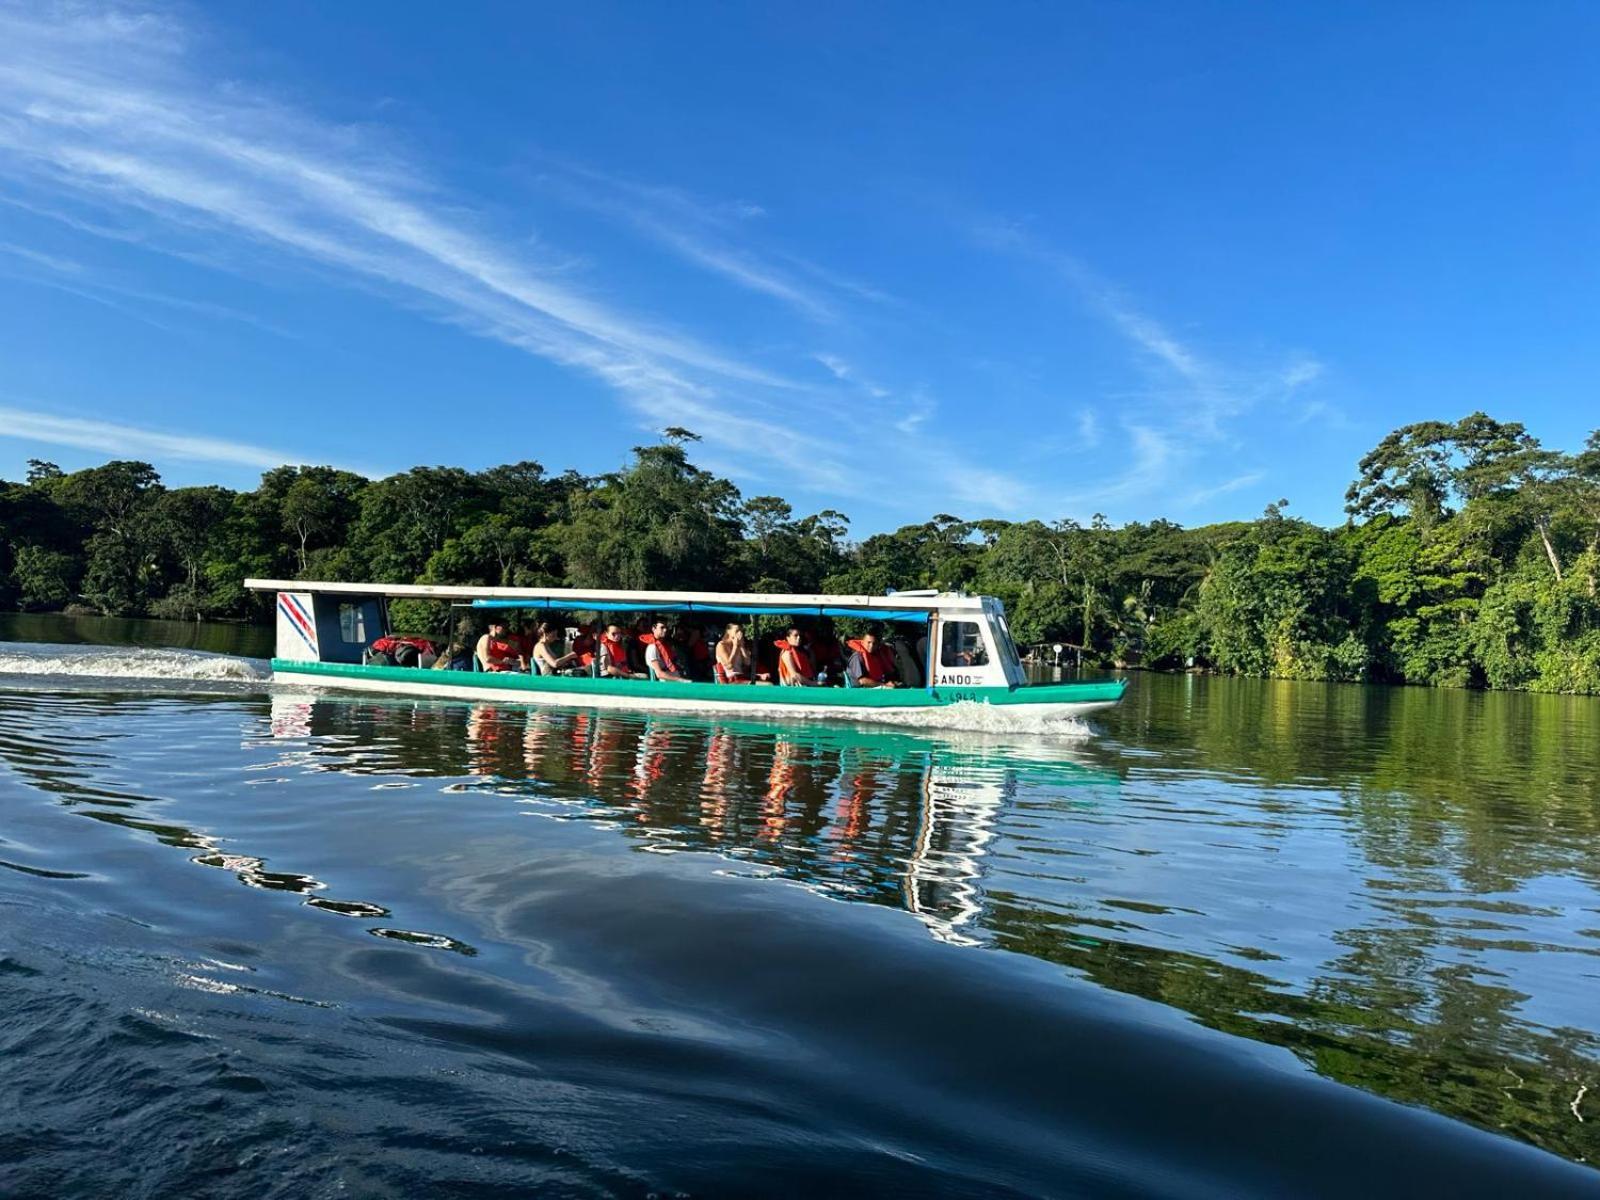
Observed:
{"x":497,"y":652}
{"x":696,"y":654}
{"x":583,"y":646}
{"x":659,"y":659}
{"x":547,"y":655}
{"x":733,"y":655}
{"x":871,"y":664}
{"x":642,"y":637}
{"x":794,"y":664}
{"x":527,"y":636}
{"x":824,"y":649}
{"x":613,"y":654}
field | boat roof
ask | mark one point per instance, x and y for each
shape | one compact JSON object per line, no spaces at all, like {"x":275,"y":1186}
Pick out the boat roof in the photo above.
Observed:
{"x":896,"y":605}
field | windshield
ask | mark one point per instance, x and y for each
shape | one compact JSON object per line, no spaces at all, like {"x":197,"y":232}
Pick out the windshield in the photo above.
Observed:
{"x":1008,"y":649}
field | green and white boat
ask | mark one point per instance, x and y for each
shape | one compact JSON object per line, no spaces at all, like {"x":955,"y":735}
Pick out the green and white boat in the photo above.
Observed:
{"x":966,"y":659}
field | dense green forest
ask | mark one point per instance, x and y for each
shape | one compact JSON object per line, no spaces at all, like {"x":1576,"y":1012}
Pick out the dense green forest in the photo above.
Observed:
{"x":1469,"y":558}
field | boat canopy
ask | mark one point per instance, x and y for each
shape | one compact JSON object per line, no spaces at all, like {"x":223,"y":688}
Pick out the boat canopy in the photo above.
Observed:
{"x":905,"y":606}
{"x":691,"y":606}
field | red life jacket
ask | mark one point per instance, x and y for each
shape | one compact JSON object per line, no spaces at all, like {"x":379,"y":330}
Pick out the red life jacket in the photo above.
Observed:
{"x":388,"y":645}
{"x":793,"y":660}
{"x":876,"y":666}
{"x":667,"y":660}
{"x":825,"y":647}
{"x":501,"y":649}
{"x":583,"y":647}
{"x":616,"y":650}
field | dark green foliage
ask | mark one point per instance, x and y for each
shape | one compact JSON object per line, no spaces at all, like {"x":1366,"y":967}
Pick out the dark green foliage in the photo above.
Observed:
{"x":1475,"y":562}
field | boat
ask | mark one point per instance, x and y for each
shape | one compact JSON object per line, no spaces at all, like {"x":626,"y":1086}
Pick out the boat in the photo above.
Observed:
{"x":325,"y":632}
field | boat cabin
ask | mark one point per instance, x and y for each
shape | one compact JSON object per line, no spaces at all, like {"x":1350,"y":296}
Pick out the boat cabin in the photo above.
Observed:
{"x":963,"y":641}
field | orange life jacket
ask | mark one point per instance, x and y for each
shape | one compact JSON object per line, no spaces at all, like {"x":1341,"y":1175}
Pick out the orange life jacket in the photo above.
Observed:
{"x":876,"y":665}
{"x":583,"y":647}
{"x":504,"y":648}
{"x":616,"y":651}
{"x":666,"y":653}
{"x":793,"y":661}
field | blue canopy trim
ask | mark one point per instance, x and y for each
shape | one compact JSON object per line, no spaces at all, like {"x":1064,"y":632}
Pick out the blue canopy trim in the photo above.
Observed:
{"x":689,"y":606}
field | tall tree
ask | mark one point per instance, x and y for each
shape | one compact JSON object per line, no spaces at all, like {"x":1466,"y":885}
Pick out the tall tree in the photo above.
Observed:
{"x":661,"y":523}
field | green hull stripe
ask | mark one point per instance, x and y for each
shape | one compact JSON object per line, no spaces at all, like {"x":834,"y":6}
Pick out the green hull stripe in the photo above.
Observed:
{"x":1104,"y":692}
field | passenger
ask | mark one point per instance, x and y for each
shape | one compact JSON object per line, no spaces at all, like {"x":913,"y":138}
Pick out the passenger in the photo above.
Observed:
{"x":659,"y":659}
{"x":640,"y":642}
{"x":497,"y":651}
{"x":547,"y":655}
{"x":528,"y":636}
{"x":696,"y":654}
{"x":583,"y":646}
{"x":733,"y":655}
{"x":826,"y":654}
{"x":794,"y":664}
{"x":614,"y":653}
{"x":871,"y":664}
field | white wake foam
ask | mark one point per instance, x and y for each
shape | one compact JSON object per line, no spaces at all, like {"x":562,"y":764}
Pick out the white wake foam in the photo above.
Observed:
{"x":128,"y":662}
{"x":970,"y":716}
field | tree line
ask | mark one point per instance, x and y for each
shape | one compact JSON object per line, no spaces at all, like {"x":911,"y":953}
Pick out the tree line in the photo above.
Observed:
{"x":1469,"y":559}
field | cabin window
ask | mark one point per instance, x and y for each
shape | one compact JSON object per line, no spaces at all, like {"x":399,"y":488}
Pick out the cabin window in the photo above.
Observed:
{"x":961,"y":645}
{"x":1008,"y":649}
{"x":353,"y":624}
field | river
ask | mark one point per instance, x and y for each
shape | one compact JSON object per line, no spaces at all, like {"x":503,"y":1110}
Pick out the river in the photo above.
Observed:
{"x":1234,"y":938}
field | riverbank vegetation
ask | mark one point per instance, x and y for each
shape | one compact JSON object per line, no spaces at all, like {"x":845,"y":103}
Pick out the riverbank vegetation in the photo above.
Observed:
{"x":1470,"y":557}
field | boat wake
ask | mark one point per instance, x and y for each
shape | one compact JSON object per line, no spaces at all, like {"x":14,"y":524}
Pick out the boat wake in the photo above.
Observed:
{"x":970,"y":716}
{"x":25,"y":662}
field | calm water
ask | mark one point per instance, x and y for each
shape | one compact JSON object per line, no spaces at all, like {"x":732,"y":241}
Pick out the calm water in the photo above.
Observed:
{"x":254,"y":939}
{"x":213,"y":636}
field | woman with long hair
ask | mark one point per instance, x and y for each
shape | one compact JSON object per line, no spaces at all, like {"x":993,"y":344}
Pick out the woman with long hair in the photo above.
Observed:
{"x":733,"y":655}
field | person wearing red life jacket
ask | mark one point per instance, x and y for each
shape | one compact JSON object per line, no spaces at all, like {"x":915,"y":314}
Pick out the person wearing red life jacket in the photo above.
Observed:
{"x":583,"y":646}
{"x":794,"y":664}
{"x":659,"y":658}
{"x":696,"y":653}
{"x":871,"y":664}
{"x":499,"y":652}
{"x":613,"y":654}
{"x":823,"y":646}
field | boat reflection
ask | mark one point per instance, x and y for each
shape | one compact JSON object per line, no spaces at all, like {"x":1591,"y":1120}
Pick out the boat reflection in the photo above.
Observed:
{"x":890,"y":817}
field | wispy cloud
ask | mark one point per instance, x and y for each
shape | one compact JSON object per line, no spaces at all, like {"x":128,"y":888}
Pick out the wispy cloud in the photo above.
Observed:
{"x":1088,"y":428}
{"x":846,"y":373}
{"x":127,"y":441}
{"x":1237,"y":483}
{"x":38,"y":258}
{"x":1201,"y":393}
{"x":1208,"y":393}
{"x":110,"y":111}
{"x":1153,"y":455}
{"x":709,"y":234}
{"x":111,"y":123}
{"x":1300,"y":371}
{"x":75,"y":278}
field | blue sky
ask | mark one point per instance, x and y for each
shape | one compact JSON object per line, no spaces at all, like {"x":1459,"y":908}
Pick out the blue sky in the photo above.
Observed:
{"x":1036,"y":260}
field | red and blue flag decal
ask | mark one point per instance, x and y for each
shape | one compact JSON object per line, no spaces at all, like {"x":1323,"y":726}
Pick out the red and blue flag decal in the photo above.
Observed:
{"x":295,"y":612}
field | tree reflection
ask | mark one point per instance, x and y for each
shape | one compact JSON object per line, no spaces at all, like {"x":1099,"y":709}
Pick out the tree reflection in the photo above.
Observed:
{"x":1448,"y":814}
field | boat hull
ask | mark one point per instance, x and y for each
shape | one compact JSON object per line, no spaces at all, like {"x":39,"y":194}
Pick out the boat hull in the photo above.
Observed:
{"x":922,"y":705}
